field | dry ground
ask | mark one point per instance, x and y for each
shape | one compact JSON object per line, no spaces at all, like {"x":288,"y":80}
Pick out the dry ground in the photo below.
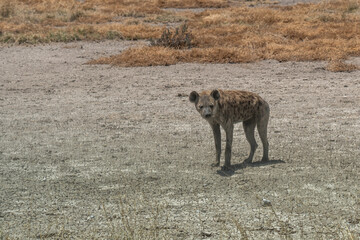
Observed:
{"x":92,"y":151}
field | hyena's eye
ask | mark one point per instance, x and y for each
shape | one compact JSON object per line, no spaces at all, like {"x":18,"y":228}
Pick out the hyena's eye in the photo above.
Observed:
{"x":201,"y":107}
{"x":211,"y":106}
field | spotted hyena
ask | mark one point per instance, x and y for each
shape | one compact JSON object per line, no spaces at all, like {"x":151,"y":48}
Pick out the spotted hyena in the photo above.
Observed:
{"x":227,"y":107}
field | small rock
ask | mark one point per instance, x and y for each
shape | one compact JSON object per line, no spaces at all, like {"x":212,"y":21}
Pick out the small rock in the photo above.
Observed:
{"x":266,"y":203}
{"x":206,"y":234}
{"x":182,"y":95}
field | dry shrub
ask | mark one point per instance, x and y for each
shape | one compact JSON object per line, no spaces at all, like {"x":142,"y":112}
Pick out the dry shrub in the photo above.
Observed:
{"x":178,"y":39}
{"x":7,"y":9}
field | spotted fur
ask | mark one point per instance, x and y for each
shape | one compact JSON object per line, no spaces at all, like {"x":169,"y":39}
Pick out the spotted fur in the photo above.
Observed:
{"x":227,"y":107}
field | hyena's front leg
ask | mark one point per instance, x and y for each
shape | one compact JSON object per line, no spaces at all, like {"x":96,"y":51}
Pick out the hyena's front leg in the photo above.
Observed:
{"x":229,"y":129}
{"x":217,"y":138}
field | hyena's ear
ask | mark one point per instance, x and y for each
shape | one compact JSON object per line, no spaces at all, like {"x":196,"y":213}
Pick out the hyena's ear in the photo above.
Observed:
{"x":193,"y":96}
{"x":215,"y":94}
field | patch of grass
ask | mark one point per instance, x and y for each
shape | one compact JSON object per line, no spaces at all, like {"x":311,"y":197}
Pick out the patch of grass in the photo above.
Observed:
{"x":143,"y":56}
{"x":111,"y":35}
{"x":7,"y":39}
{"x":157,"y":56}
{"x":43,"y":21}
{"x":192,"y":3}
{"x":76,"y":15}
{"x":222,"y":34}
{"x":340,"y":66}
{"x":167,"y":18}
{"x":61,"y":36}
{"x":307,"y":32}
{"x":83,"y":32}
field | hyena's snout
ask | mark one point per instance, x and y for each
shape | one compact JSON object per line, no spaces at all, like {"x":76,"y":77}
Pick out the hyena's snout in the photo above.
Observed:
{"x":207,"y":112}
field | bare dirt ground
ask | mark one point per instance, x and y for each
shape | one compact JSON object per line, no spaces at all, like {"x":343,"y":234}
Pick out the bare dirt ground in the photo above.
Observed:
{"x":93,"y":151}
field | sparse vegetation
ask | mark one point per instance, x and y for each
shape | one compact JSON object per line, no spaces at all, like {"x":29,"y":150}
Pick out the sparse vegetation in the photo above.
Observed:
{"x":43,"y":21}
{"x":307,"y":32}
{"x":227,"y":34}
{"x":192,"y":3}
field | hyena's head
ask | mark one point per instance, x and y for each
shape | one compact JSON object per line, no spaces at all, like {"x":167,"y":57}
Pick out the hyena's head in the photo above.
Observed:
{"x":206,"y":103}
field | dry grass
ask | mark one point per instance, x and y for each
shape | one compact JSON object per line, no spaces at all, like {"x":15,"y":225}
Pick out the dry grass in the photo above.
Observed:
{"x":143,"y":56}
{"x":155,"y":56}
{"x":305,"y":32}
{"x":69,"y":20}
{"x":340,"y":66}
{"x":36,"y":21}
{"x":192,"y":3}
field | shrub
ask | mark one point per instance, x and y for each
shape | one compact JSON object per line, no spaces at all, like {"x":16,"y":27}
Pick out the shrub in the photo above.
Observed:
{"x":178,"y":39}
{"x":6,"y":9}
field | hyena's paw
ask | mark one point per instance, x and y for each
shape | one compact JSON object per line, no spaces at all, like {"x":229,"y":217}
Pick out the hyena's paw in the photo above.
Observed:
{"x":227,"y":168}
{"x":248,"y":160}
{"x":215,"y":164}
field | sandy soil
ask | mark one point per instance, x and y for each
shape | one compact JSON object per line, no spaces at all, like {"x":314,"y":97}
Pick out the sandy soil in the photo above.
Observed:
{"x":93,"y":151}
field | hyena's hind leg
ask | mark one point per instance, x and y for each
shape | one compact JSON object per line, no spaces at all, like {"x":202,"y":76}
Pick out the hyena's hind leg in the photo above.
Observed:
{"x":249,"y":129}
{"x":262,"y":124}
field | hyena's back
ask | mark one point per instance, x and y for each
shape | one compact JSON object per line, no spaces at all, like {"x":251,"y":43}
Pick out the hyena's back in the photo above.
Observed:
{"x":236,"y":105}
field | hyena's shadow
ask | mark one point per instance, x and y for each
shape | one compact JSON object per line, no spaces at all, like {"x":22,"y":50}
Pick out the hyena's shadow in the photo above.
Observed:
{"x":238,"y":166}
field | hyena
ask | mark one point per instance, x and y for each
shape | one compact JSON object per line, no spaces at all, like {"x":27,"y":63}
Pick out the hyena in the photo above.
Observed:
{"x":227,"y":107}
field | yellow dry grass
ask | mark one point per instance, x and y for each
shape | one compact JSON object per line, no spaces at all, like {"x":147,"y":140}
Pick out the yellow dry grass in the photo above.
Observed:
{"x":227,"y":34}
{"x":305,"y":32}
{"x":340,"y":66}
{"x":192,"y":3}
{"x":35,"y":21}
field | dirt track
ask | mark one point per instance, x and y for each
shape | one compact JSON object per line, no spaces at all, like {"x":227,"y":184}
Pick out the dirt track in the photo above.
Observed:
{"x":93,"y":151}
